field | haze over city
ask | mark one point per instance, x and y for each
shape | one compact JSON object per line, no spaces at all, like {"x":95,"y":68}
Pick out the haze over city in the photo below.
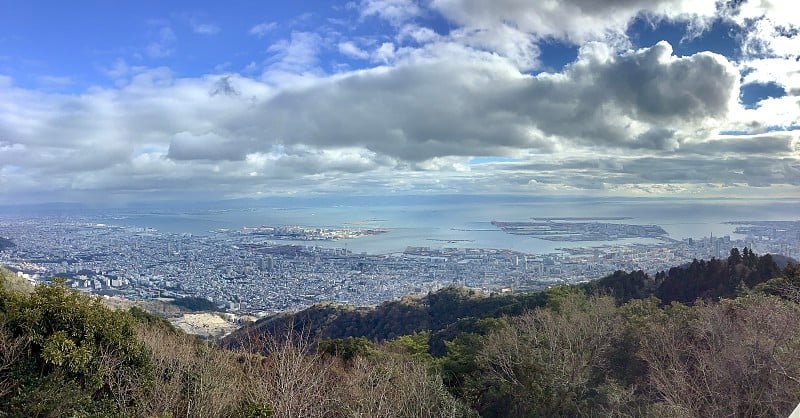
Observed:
{"x":145,"y":101}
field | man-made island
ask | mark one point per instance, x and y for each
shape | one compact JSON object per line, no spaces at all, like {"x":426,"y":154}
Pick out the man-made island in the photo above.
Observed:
{"x":570,"y":229}
{"x":299,"y":233}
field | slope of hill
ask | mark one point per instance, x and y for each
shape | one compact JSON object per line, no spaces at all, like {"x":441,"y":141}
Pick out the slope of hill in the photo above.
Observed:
{"x":13,"y":282}
{"x":451,"y":310}
{"x":444,"y":313}
{"x":605,"y":348}
{"x":64,"y":354}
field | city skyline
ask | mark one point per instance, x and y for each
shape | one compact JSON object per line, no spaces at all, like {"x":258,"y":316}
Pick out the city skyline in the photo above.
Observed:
{"x":124,"y":102}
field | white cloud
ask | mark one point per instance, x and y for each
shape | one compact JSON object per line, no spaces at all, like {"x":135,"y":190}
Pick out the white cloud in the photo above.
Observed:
{"x":262,"y":29}
{"x":417,"y":33}
{"x":205,"y":28}
{"x":519,"y":47}
{"x":384,"y":53}
{"x":773,"y":28}
{"x":298,"y":52}
{"x":783,"y":112}
{"x":395,"y":12}
{"x":784,"y":72}
{"x":573,"y":20}
{"x":410,"y":126}
{"x":771,"y":39}
{"x":350,"y":49}
{"x":616,"y":120}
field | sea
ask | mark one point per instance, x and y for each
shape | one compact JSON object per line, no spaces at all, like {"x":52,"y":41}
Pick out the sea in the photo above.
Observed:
{"x":459,"y":221}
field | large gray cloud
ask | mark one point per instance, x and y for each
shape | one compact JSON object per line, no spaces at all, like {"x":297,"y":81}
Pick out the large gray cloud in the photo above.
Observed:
{"x":644,"y":99}
{"x":424,"y":115}
{"x":208,"y":146}
{"x":472,"y":106}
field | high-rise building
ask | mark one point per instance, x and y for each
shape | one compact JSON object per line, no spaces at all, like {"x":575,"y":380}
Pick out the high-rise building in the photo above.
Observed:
{"x":270,"y":263}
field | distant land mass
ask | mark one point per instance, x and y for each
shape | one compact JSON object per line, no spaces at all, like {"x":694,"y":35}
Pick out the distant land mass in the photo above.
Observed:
{"x":563,"y":230}
{"x":581,"y":218}
{"x":767,"y":228}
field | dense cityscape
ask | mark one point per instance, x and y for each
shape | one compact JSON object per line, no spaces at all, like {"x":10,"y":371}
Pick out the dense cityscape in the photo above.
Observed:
{"x":246,"y":272}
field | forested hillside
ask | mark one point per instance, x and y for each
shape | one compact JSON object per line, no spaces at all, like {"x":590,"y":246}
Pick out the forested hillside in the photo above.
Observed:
{"x":452,"y":310}
{"x":721,"y":342}
{"x":444,"y":314}
{"x":64,"y":354}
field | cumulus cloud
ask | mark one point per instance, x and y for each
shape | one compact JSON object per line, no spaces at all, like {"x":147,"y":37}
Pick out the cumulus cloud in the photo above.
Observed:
{"x":653,"y":85}
{"x":384,"y":53}
{"x":770,"y":113}
{"x":615,"y":120}
{"x":772,"y":28}
{"x":783,"y":72}
{"x":573,"y":20}
{"x":628,"y":100}
{"x":767,"y":28}
{"x":426,"y":114}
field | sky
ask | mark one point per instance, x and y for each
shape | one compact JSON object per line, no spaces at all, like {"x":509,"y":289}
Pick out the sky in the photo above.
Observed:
{"x":152,"y":100}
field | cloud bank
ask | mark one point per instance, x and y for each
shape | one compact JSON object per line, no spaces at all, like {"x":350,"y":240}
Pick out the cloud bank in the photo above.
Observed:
{"x":424,"y":105}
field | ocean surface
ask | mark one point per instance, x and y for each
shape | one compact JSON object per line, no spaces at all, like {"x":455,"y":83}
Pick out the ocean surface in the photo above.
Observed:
{"x":456,"y":221}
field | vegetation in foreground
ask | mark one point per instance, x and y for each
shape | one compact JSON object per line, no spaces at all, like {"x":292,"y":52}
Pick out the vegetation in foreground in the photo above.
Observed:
{"x":607,"y":348}
{"x":66,"y":354}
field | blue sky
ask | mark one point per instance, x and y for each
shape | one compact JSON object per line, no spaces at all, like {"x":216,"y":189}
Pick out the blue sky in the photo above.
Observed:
{"x":151,"y":100}
{"x":82,"y":40}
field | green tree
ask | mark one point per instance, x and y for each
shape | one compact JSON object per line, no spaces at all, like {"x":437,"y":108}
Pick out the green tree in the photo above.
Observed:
{"x":551,"y":362}
{"x":346,"y":348}
{"x":735,"y":257}
{"x":72,"y":342}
